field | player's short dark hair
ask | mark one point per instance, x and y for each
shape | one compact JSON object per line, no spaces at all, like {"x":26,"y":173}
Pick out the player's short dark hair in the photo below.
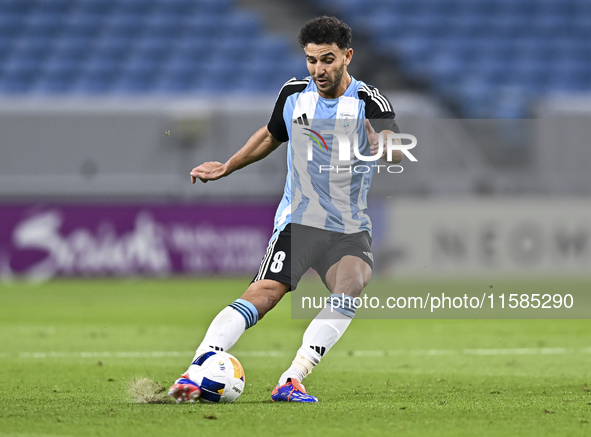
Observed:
{"x":326,"y":30}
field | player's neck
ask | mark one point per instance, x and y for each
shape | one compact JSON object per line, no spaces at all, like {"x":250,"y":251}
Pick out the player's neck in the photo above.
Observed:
{"x":340,"y":90}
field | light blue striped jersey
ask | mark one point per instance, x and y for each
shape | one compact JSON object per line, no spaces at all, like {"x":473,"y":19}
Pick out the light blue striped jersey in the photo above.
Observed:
{"x":316,"y":194}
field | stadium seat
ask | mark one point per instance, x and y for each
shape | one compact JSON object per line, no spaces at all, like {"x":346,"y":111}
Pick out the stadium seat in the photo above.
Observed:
{"x":6,"y":47}
{"x":77,"y":49}
{"x":464,"y":26}
{"x":54,"y":7}
{"x":99,"y":7}
{"x":164,"y":25}
{"x":220,"y":8}
{"x":112,"y":47}
{"x":175,"y":7}
{"x":153,"y":49}
{"x":173,"y":82}
{"x":58,"y":76}
{"x":124,"y":25}
{"x":241,"y":23}
{"x":17,"y":6}
{"x":33,"y":48}
{"x":201,"y":26}
{"x":135,"y":7}
{"x":18,"y":75}
{"x":43,"y":25}
{"x":11,"y":24}
{"x":81,"y":25}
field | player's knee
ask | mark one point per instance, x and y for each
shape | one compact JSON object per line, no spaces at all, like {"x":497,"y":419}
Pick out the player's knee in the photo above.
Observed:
{"x":264,"y":295}
{"x":351,"y":287}
{"x":352,"y":283}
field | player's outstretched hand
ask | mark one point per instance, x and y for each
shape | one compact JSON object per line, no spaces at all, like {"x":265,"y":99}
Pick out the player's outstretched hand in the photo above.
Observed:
{"x":373,"y":137}
{"x":208,"y":171}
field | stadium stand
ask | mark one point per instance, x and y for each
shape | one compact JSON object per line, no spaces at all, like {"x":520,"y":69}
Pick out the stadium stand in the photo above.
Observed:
{"x":488,"y":58}
{"x":491,"y":58}
{"x":50,"y":47}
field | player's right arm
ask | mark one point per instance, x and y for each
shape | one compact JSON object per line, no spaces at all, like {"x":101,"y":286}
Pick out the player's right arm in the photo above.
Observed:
{"x":256,"y":148}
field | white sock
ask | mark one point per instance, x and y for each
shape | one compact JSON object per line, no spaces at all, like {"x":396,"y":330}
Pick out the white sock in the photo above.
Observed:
{"x":322,"y":334}
{"x":223,"y":332}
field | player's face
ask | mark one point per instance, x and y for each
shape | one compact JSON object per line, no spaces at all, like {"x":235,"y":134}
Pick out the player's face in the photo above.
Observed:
{"x":327,"y":65}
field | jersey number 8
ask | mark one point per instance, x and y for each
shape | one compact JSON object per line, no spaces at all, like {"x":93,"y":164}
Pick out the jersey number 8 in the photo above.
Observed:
{"x":277,"y":264}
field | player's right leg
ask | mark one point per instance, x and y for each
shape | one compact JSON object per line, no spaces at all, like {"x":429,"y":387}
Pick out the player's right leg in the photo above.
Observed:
{"x":266,"y":290}
{"x":227,"y":327}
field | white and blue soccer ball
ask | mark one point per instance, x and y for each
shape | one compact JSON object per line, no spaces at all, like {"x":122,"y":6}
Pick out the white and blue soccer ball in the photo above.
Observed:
{"x":219,"y":375}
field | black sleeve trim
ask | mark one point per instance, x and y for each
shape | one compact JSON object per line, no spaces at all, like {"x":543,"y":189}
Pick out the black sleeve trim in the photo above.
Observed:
{"x":378,"y":109}
{"x":276,"y":124}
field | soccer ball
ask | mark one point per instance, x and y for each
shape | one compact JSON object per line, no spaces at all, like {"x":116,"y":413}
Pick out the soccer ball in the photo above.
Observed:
{"x":219,"y":375}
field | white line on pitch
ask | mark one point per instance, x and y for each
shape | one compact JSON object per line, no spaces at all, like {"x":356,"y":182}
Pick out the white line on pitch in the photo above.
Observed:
{"x":276,"y":354}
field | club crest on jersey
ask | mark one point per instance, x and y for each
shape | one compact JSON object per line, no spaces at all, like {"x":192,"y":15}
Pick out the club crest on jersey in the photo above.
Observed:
{"x":346,"y":120}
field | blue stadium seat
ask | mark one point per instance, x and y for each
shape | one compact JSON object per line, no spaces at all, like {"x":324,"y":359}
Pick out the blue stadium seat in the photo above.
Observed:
{"x":531,"y":74}
{"x":58,"y":77}
{"x":101,"y":67}
{"x":17,"y":6}
{"x":470,"y":7}
{"x":153,"y":49}
{"x":32,"y":47}
{"x":138,"y":75}
{"x":241,"y":24}
{"x":414,"y":52}
{"x":100,"y":7}
{"x":11,"y":24}
{"x":553,"y":8}
{"x":509,"y":7}
{"x":83,"y":25}
{"x":582,"y":8}
{"x":112,"y":47}
{"x":189,"y":47}
{"x":44,"y":25}
{"x":135,"y":7}
{"x":98,"y":75}
{"x":175,"y":82}
{"x":52,"y":7}
{"x":76,"y":49}
{"x":219,"y":74}
{"x":293,"y":66}
{"x":18,"y":75}
{"x":438,"y":7}
{"x":553,"y":25}
{"x":124,"y":25}
{"x":220,"y":8}
{"x":475,"y":96}
{"x":397,"y":6}
{"x":6,"y":47}
{"x":175,"y":7}
{"x":201,"y":26}
{"x":180,"y":66}
{"x":581,"y":26}
{"x":510,"y":26}
{"x":163,"y":25}
{"x":272,"y":47}
{"x":237,"y":50}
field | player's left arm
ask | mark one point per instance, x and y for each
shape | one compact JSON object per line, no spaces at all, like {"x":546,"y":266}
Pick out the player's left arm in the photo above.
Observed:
{"x":373,"y":138}
{"x":379,"y":120}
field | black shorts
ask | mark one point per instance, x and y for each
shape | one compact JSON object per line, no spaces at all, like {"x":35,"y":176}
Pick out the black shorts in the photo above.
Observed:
{"x":297,"y":248}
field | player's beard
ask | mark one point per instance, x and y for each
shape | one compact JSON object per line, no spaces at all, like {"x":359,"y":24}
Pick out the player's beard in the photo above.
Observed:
{"x":335,"y":82}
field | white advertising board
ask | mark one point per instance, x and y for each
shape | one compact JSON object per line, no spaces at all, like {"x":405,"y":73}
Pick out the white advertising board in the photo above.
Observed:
{"x":527,"y":236}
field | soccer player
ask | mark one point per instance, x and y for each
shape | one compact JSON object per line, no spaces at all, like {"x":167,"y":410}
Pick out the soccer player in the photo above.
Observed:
{"x":320,"y":222}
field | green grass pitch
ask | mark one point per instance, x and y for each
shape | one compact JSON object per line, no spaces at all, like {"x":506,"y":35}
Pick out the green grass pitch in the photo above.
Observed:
{"x":69,"y":350}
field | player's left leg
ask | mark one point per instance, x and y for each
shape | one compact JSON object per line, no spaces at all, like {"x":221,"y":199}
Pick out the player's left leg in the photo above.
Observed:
{"x":345,"y":279}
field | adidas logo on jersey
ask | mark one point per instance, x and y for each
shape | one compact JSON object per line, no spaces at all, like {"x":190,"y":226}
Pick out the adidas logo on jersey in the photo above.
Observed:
{"x":302,"y":120}
{"x":369,"y":255}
